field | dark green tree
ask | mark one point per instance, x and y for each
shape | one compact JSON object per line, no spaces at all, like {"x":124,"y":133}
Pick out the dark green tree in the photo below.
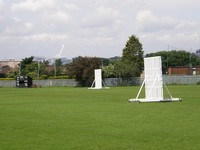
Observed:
{"x":58,"y":62}
{"x":24,"y":62}
{"x":32,"y":68}
{"x":2,"y":75}
{"x":43,"y":73}
{"x":58,"y":67}
{"x":176,"y":58}
{"x":132,"y":56}
{"x":82,"y":69}
{"x":28,"y":67}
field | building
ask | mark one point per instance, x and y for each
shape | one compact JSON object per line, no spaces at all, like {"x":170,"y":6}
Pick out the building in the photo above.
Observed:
{"x":184,"y":70}
{"x":7,"y":65}
{"x":9,"y":62}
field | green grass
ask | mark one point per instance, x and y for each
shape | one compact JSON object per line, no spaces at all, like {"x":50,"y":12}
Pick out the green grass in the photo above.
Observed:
{"x":62,"y":118}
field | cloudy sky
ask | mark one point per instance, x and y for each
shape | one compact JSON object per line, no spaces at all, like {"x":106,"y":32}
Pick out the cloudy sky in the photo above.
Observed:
{"x":96,"y":27}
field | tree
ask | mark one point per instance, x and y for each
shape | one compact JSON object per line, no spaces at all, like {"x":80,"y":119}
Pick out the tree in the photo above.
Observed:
{"x":82,"y":68}
{"x":2,"y":75}
{"x":132,"y":56}
{"x":109,"y":71}
{"x":25,"y":61}
{"x":176,"y":58}
{"x":42,"y":68}
{"x":58,"y":65}
{"x":32,"y":68}
{"x":28,"y":67}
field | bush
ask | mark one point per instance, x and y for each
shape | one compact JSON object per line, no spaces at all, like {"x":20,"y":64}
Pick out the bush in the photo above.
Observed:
{"x":59,"y":77}
{"x":42,"y":77}
{"x":7,"y":78}
{"x":36,"y":86}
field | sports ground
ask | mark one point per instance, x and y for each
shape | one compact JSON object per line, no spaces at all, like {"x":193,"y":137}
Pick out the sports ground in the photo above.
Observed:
{"x":62,"y":118}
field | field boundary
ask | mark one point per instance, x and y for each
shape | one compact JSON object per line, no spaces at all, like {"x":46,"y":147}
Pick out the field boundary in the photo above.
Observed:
{"x":175,"y":80}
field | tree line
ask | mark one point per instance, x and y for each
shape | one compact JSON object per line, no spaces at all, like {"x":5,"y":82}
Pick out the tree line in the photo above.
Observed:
{"x":130,"y":64}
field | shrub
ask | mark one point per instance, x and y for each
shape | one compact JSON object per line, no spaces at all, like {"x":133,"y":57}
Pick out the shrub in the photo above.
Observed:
{"x":7,"y":78}
{"x":59,"y":77}
{"x":36,"y":86}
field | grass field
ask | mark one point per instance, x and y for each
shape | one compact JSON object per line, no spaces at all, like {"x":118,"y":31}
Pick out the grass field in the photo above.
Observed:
{"x":62,"y":118}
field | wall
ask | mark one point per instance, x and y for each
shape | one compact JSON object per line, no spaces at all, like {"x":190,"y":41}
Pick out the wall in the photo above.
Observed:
{"x":42,"y":83}
{"x":123,"y":82}
{"x":108,"y":81}
{"x":181,"y":79}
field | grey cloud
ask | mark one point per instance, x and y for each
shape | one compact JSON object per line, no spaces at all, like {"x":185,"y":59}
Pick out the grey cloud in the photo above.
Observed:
{"x":30,"y":5}
{"x":94,"y":27}
{"x":103,"y":23}
{"x":149,"y":22}
{"x":71,"y":7}
{"x":18,"y":27}
{"x":101,"y":17}
{"x":1,"y":5}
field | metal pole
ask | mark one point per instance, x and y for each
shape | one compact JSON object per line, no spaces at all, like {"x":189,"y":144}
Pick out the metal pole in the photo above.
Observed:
{"x":19,"y":68}
{"x":38,"y":72}
{"x":190,"y":59}
{"x":55,"y":67}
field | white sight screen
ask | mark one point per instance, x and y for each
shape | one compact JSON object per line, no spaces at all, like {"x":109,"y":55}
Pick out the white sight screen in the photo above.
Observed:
{"x":153,"y":78}
{"x":98,"y":78}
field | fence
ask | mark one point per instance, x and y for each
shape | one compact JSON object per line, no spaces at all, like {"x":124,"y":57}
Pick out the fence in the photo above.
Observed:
{"x":55,"y":82}
{"x":108,"y":81}
{"x":181,"y":79}
{"x":42,"y":83}
{"x":123,"y":82}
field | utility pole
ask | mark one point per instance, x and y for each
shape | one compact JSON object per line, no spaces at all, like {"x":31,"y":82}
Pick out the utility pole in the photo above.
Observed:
{"x":38,"y":72}
{"x":19,"y":68}
{"x":190,"y":61}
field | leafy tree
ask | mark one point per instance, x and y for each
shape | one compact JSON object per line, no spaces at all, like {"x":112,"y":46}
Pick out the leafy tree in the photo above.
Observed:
{"x":109,"y":71}
{"x":132,"y":57}
{"x":82,"y":68}
{"x":26,"y":65}
{"x":58,"y":65}
{"x":42,"y":69}
{"x":176,"y":58}
{"x":58,"y":62}
{"x":32,"y":68}
{"x":112,"y":60}
{"x":124,"y":70}
{"x":105,"y":61}
{"x":26,"y":61}
{"x":2,"y":75}
{"x":119,"y":68}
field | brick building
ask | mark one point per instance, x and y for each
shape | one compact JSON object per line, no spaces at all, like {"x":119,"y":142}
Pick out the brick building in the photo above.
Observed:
{"x":184,"y":70}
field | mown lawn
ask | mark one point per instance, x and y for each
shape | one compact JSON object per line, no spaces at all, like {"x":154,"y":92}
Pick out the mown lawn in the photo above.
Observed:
{"x":62,"y":118}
